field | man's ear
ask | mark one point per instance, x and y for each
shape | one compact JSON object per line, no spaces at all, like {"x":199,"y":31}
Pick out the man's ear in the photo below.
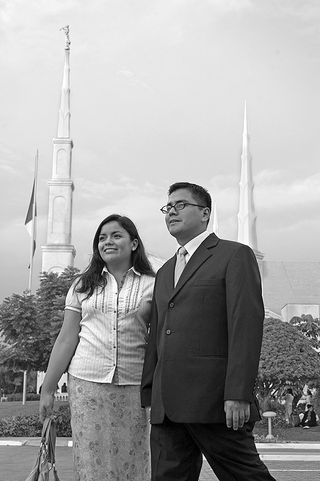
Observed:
{"x":206,"y":214}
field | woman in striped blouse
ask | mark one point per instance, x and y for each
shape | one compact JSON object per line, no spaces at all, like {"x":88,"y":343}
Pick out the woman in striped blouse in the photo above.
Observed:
{"x":101,"y":344}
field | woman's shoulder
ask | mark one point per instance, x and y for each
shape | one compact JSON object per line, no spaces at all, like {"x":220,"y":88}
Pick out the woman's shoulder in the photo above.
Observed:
{"x":76,"y":289}
{"x":147,"y":281}
{"x":76,"y":284}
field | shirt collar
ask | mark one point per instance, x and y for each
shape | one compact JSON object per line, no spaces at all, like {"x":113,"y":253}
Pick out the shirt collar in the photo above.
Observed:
{"x":194,"y":243}
{"x":132,"y":269}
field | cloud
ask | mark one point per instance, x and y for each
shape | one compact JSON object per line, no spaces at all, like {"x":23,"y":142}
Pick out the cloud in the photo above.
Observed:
{"x":9,"y":158}
{"x":275,"y":191}
{"x":114,"y":191}
{"x":231,"y":5}
{"x":219,"y":5}
{"x":202,"y":59}
{"x":306,"y":11}
{"x":8,"y":169}
{"x":133,"y":79}
{"x":280,"y":202}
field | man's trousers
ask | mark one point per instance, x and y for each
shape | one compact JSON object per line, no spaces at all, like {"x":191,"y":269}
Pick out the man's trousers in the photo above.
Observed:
{"x":177,"y":449}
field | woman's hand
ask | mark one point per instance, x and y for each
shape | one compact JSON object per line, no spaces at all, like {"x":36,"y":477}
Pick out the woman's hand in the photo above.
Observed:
{"x":148,"y":413}
{"x":46,"y":405}
{"x":59,"y":361}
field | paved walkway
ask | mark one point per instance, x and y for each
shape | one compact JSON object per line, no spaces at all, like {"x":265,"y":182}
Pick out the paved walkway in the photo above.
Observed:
{"x":286,"y":462}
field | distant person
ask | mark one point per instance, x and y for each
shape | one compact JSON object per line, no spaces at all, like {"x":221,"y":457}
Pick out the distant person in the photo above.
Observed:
{"x":102,"y":343}
{"x":203,"y":353}
{"x":309,"y":419}
{"x":288,"y":400}
{"x":3,"y":396}
{"x":300,"y":412}
{"x":64,"y":388}
{"x":308,"y":398}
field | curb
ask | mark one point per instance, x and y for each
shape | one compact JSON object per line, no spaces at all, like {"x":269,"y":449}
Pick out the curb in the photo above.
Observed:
{"x":32,"y":442}
{"x":68,"y":442}
{"x":11,"y":442}
{"x":290,"y":445}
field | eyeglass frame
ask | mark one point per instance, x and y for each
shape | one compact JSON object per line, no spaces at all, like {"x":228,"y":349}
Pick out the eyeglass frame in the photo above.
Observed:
{"x":165,"y":209}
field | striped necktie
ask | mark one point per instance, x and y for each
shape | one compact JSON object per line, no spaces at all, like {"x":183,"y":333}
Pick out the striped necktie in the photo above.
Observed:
{"x":180,"y":264}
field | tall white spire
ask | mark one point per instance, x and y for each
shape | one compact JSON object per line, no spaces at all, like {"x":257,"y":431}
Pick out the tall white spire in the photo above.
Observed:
{"x":247,"y":233}
{"x":64,"y":111}
{"x":58,"y":253}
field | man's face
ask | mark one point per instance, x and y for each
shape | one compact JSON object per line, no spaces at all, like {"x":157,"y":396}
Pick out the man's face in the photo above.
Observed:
{"x":189,"y":222}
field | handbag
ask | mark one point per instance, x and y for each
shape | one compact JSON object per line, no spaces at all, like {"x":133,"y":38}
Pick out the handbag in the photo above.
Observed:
{"x":45,"y":462}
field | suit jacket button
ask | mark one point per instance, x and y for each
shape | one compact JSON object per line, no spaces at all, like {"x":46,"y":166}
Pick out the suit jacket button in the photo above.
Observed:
{"x":171,"y":304}
{"x":168,"y":331}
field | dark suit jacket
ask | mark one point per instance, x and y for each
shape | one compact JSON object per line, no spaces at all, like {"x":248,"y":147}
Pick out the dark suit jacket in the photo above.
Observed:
{"x":205,"y":335}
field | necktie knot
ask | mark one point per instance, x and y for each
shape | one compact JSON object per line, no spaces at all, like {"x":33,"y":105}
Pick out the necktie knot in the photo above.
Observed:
{"x":182,"y":251}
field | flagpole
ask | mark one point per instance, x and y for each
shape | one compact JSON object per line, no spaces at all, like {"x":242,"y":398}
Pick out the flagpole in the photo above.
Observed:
{"x":33,"y":234}
{"x":33,"y":225}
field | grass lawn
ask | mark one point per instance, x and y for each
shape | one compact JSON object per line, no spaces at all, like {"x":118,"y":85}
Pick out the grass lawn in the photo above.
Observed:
{"x":16,"y":408}
{"x":291,"y":433}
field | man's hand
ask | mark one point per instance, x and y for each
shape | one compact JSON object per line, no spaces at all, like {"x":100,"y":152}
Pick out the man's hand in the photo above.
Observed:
{"x":237,"y":413}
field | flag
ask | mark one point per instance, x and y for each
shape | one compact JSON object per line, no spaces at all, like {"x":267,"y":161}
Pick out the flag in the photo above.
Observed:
{"x":30,"y":221}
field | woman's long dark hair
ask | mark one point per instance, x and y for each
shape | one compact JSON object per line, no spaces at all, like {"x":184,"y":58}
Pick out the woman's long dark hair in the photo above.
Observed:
{"x":92,"y":275}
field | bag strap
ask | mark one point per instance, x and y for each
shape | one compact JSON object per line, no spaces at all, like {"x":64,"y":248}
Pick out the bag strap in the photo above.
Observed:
{"x":48,"y":438}
{"x":45,"y":427}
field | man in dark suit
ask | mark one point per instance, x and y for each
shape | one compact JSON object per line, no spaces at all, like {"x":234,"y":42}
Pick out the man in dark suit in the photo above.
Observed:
{"x":203,"y":351}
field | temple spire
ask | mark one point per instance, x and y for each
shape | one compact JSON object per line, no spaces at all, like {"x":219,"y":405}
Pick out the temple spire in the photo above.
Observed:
{"x":247,"y":233}
{"x":64,"y":111}
{"x":59,"y":253}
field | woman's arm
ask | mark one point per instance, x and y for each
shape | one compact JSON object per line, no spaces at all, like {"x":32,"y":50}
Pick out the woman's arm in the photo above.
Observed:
{"x":60,"y":358}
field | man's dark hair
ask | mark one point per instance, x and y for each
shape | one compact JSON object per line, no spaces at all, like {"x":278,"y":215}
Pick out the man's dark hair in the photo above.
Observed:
{"x":200,"y":194}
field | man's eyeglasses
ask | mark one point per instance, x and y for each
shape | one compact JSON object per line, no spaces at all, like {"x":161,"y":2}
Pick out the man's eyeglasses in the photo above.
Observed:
{"x":177,"y":206}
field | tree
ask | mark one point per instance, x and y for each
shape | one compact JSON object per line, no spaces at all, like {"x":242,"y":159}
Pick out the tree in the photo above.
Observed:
{"x":50,"y":302}
{"x":309,"y":327}
{"x":287,"y":357}
{"x":29,"y":324}
{"x":19,"y":330}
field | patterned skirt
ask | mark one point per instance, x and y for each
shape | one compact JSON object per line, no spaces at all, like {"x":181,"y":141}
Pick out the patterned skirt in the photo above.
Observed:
{"x":110,"y":432}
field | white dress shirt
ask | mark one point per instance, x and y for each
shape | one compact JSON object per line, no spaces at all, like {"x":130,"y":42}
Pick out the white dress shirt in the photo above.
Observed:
{"x":194,"y":243}
{"x":113,"y":329}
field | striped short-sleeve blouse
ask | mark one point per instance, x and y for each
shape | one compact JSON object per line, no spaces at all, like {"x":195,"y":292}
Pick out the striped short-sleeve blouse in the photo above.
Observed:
{"x":113,"y":329}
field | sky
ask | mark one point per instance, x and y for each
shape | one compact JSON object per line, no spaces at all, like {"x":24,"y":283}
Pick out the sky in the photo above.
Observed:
{"x":157,"y":96}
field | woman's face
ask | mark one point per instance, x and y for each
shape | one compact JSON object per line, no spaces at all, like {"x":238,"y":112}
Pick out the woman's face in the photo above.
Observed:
{"x":115,"y":246}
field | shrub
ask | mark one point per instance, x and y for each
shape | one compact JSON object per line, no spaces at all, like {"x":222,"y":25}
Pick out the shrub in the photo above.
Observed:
{"x":14,"y":397}
{"x":63,"y":421}
{"x":20,"y":426}
{"x":33,"y":397}
{"x":18,"y":397}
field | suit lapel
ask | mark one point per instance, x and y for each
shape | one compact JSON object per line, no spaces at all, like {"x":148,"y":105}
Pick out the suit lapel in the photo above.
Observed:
{"x":168,"y":272}
{"x":200,"y":256}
